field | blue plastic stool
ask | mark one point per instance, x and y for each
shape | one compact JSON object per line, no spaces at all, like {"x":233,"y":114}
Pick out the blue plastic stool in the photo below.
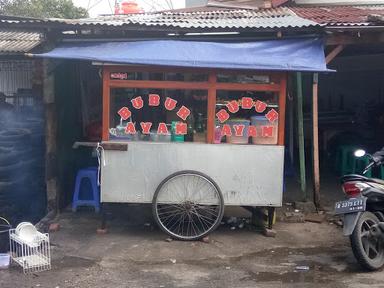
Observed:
{"x":89,"y":174}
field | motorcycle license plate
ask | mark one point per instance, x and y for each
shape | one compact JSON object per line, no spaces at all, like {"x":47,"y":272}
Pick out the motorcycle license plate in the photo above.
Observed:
{"x":351,"y":205}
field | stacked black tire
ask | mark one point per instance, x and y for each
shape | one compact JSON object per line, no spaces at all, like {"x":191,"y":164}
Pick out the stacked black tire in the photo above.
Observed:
{"x":22,"y":190}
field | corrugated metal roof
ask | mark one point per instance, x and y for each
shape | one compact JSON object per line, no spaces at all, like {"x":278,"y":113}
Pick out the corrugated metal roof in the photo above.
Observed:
{"x":15,"y":41}
{"x":219,"y":19}
{"x":339,"y":15}
{"x":247,"y":4}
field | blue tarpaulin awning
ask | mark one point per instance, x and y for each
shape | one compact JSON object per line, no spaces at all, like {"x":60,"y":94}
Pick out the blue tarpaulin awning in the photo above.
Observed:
{"x":305,"y":54}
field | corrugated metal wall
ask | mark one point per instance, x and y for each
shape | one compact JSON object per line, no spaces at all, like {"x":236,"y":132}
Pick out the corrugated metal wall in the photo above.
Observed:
{"x":15,"y":74}
{"x":22,"y":142}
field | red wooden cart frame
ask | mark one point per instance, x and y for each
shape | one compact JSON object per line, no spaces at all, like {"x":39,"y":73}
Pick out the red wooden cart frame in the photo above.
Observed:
{"x":278,"y":84}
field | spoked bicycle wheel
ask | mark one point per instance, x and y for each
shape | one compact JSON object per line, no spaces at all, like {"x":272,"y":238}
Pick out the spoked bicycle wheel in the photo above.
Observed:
{"x":188,"y":205}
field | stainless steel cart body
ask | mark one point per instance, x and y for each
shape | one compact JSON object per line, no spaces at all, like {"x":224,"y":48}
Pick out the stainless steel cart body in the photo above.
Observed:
{"x":249,"y":175}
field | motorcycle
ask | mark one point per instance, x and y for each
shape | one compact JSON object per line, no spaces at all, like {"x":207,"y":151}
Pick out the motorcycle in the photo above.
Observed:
{"x":363,"y":212}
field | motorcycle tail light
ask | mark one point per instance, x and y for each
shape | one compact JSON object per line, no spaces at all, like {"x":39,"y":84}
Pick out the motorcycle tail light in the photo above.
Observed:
{"x":353,"y":189}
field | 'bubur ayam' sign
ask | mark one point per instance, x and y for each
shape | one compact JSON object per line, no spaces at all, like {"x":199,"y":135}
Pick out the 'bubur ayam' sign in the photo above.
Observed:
{"x":183,"y":112}
{"x":239,"y":129}
{"x":170,"y":104}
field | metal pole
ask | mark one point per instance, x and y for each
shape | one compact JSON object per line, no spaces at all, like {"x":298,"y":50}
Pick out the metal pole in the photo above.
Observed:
{"x":316,"y":166}
{"x":300,"y":133}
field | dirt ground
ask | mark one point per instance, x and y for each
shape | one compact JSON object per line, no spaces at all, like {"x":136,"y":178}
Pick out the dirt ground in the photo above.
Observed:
{"x":135,"y":254}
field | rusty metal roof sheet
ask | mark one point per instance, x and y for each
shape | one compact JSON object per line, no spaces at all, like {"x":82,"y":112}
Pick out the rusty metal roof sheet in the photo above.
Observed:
{"x":340,"y":15}
{"x":192,"y":20}
{"x":219,"y":19}
{"x":16,"y":41}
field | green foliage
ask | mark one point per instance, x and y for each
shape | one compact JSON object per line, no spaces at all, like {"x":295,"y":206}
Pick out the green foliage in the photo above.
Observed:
{"x":42,"y":9}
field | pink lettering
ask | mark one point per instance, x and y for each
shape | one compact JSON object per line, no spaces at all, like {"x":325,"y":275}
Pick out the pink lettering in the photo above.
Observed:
{"x":137,"y":102}
{"x":145,"y":127}
{"x":272,"y":115}
{"x":162,"y":129}
{"x":260,"y":106}
{"x":239,"y":129}
{"x":153,"y":100}
{"x":222,"y":115}
{"x":130,"y":128}
{"x":170,"y":104}
{"x":124,"y":113}
{"x":233,"y":106}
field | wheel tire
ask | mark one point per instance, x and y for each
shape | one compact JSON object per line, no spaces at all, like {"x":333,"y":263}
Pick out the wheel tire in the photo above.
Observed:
{"x":202,"y":235}
{"x":371,"y":264}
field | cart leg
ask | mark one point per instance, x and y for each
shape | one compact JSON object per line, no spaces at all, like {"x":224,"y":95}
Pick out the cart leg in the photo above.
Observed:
{"x":104,"y":207}
{"x":271,"y":213}
{"x":103,"y":227}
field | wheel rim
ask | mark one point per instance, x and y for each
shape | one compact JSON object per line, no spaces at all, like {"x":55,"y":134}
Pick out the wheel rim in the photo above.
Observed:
{"x":188,"y":206}
{"x":371,"y":245}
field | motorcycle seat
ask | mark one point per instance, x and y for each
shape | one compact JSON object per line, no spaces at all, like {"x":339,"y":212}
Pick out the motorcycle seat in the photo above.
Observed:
{"x":357,"y":177}
{"x":376,"y":180}
{"x":354,"y":177}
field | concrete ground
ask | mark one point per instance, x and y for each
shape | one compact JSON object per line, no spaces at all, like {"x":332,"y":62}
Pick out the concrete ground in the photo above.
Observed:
{"x":135,"y":254}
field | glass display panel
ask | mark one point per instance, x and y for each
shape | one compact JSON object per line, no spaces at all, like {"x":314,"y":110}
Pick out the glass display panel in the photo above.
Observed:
{"x":246,"y":117}
{"x":158,"y":115}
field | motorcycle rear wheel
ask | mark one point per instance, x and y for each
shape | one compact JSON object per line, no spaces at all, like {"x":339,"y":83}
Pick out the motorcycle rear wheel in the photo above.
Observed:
{"x":368,"y":250}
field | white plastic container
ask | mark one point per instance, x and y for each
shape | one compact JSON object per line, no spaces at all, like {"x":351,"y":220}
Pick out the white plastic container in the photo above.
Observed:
{"x":4,"y":260}
{"x":238,"y":139}
{"x":259,"y":122}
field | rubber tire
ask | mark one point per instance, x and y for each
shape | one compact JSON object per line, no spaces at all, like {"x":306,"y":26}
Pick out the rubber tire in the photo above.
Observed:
{"x":180,"y":173}
{"x":357,"y":245}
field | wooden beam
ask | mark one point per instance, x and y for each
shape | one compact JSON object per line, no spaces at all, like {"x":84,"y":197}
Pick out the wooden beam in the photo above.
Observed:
{"x":252,"y":87}
{"x":158,"y":84}
{"x":282,"y":102}
{"x":192,"y":85}
{"x":106,"y":104}
{"x":345,"y":38}
{"x":300,"y":134}
{"x":331,"y":55}
{"x":170,"y":69}
{"x":211,"y":109}
{"x":315,"y":144}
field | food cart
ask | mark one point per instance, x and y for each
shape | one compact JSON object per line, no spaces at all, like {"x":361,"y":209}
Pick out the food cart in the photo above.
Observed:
{"x":197,"y":125}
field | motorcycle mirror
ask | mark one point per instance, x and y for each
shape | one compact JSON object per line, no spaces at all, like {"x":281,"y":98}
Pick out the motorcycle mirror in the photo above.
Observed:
{"x":359,"y":153}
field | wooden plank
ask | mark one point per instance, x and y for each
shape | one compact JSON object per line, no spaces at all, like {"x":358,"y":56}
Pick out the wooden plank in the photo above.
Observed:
{"x":315,"y":148}
{"x":211,"y":110}
{"x":106,"y":104}
{"x":165,"y":69}
{"x":115,"y":146}
{"x":158,"y":84}
{"x":361,"y":38}
{"x":249,"y":86}
{"x":78,"y":144}
{"x":282,"y":102}
{"x":156,"y":69}
{"x":331,"y":55}
{"x":192,"y":85}
{"x":106,"y":145}
{"x":300,"y":135}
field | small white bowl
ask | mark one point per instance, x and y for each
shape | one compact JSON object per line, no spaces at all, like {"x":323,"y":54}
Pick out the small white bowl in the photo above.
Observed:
{"x":27,"y":232}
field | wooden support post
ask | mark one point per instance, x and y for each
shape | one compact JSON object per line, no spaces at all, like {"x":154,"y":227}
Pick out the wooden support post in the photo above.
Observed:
{"x":300,"y":134}
{"x":211,"y":107}
{"x":334,"y":53}
{"x":282,"y":100}
{"x":50,"y":137}
{"x":106,"y":103}
{"x":315,"y":150}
